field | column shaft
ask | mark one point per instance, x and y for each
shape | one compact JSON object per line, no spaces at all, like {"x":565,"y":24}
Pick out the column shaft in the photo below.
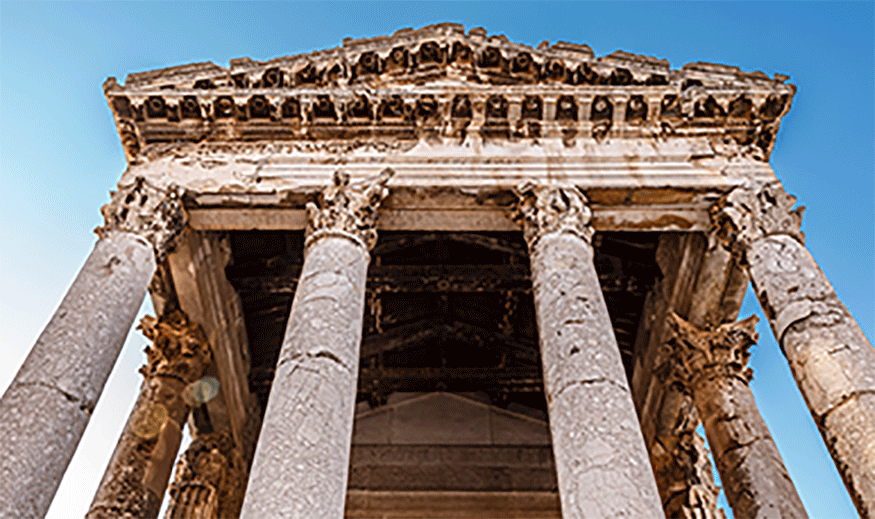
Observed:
{"x":301,"y":463}
{"x":830,"y":357}
{"x":136,"y":477}
{"x":46,"y":408}
{"x":601,"y":462}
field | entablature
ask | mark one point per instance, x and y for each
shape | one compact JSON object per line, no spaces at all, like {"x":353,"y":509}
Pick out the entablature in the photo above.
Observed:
{"x":440,"y":82}
{"x":633,"y":184}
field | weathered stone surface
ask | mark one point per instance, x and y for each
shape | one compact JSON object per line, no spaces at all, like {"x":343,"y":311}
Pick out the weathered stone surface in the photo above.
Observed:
{"x":711,"y":364}
{"x":210,"y":479}
{"x":302,"y":460}
{"x":46,"y":408}
{"x":601,"y":463}
{"x":136,"y":477}
{"x":830,"y":357}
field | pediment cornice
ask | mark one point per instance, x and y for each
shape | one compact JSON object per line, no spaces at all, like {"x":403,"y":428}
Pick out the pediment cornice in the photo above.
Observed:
{"x":440,"y":81}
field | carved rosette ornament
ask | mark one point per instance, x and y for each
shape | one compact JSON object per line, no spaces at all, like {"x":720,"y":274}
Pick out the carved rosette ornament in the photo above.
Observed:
{"x":755,"y":211}
{"x":137,"y":475}
{"x":712,"y":365}
{"x":210,"y":479}
{"x":348,"y":210}
{"x":154,"y":214}
{"x":549,"y":209}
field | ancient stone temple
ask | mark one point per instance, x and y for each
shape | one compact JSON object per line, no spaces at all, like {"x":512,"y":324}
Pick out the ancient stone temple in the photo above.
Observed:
{"x":441,"y":274}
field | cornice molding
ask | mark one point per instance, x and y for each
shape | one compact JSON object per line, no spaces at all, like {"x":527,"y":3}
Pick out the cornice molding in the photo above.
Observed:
{"x":441,"y":81}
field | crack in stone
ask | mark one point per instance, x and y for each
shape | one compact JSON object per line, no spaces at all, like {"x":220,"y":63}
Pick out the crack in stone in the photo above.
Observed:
{"x":588,"y":382}
{"x":84,"y":405}
{"x":821,"y":422}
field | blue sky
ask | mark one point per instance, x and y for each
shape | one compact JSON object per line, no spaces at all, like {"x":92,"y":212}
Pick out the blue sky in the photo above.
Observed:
{"x":60,"y":154}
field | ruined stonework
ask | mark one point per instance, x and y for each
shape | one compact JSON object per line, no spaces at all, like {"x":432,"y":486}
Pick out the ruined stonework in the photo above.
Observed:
{"x":137,"y":475}
{"x":712,"y":365}
{"x":151,"y":213}
{"x":831,"y":359}
{"x":301,"y":466}
{"x":210,"y":479}
{"x":50,"y":401}
{"x":498,"y":328}
{"x":596,"y":439}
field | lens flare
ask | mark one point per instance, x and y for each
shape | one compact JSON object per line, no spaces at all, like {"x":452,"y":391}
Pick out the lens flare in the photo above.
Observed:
{"x":201,"y":391}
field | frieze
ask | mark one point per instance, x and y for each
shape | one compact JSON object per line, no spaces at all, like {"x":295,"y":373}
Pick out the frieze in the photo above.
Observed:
{"x":440,"y":81}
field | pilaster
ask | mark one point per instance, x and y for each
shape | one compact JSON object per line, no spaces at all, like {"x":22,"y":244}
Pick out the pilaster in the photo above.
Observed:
{"x":712,"y":365}
{"x":302,"y":460}
{"x":601,"y":462}
{"x":830,"y":357}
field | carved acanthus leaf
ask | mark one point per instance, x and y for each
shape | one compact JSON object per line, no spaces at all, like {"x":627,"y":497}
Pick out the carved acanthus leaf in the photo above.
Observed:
{"x":179,"y":347}
{"x":549,"y":209}
{"x":698,"y":353}
{"x":349,"y":210}
{"x":751,"y":212}
{"x":155,"y":214}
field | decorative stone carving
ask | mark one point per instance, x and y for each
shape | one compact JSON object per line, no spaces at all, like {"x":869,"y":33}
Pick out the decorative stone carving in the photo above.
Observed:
{"x":136,"y":477}
{"x":830,"y":357}
{"x":712,"y":365}
{"x":348,"y":210}
{"x":548,"y":209}
{"x":369,"y":87}
{"x":695,"y":495}
{"x":301,"y":464}
{"x":210,"y":479}
{"x":752,"y":212}
{"x":179,"y":348}
{"x":596,"y":437}
{"x":155,"y":215}
{"x":724,"y":351}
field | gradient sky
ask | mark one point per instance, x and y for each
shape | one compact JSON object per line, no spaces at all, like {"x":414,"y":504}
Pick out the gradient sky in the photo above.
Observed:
{"x":60,"y":154}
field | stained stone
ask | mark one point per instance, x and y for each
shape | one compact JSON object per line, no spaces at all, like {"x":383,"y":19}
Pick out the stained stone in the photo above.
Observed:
{"x":301,"y":463}
{"x":46,"y":408}
{"x":136,"y":477}
{"x":711,"y":364}
{"x":831,"y":359}
{"x":601,"y":462}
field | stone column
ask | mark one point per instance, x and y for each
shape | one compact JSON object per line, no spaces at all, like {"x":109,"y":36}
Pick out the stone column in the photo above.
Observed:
{"x":302,"y":460}
{"x":210,"y":479}
{"x":46,"y":408}
{"x":711,"y":365}
{"x":831,"y":359}
{"x":601,"y":462}
{"x":134,"y":482}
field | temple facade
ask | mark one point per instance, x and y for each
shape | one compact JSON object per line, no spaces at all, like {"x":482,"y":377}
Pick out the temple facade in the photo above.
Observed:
{"x":442,"y":274}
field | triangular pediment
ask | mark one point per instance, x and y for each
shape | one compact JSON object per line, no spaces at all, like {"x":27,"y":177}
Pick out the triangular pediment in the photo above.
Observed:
{"x":442,"y":82}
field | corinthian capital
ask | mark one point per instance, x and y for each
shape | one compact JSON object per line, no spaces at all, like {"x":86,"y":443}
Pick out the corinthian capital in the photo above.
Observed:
{"x":140,"y":208}
{"x":349,"y":210}
{"x":549,"y":209}
{"x":751,"y":212}
{"x":724,"y":350}
{"x":179,"y":347}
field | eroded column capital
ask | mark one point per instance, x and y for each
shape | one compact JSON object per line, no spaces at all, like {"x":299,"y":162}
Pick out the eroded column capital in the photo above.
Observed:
{"x":155,"y":214}
{"x":348,"y":210}
{"x":698,"y":353}
{"x":179,"y":347}
{"x":553,"y":209}
{"x":754,"y":211}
